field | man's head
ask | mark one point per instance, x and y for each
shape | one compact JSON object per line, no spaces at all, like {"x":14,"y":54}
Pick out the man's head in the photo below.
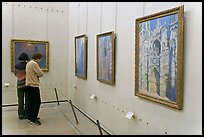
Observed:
{"x":37,"y":57}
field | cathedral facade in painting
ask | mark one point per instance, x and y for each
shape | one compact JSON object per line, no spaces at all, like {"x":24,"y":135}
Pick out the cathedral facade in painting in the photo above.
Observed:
{"x":158,"y":57}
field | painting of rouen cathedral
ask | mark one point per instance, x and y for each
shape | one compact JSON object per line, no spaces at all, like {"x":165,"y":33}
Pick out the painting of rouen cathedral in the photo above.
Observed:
{"x":158,"y":57}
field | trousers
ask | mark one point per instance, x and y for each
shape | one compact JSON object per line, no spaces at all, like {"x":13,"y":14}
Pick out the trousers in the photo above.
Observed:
{"x":34,"y":102}
{"x":22,"y":99}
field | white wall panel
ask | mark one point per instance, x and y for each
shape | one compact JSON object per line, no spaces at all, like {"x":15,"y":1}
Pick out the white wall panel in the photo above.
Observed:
{"x":37,"y":21}
{"x":108,"y":16}
{"x":154,"y":7}
{"x":29,"y":23}
{"x":7,"y":34}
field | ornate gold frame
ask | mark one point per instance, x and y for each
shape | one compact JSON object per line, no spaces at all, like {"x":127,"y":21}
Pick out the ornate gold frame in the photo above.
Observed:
{"x":30,"y":42}
{"x":84,"y":76}
{"x":112,"y":81}
{"x":178,"y":104}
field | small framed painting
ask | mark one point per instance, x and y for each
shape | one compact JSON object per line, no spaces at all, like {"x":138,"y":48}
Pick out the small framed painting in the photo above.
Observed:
{"x":81,"y":56}
{"x":106,"y":58}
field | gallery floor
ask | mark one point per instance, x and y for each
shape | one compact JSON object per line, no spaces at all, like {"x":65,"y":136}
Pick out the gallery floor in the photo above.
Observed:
{"x":55,"y":119}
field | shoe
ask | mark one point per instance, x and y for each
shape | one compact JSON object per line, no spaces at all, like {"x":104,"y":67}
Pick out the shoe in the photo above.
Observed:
{"x":26,"y":117}
{"x":36,"y":122}
{"x":21,"y":117}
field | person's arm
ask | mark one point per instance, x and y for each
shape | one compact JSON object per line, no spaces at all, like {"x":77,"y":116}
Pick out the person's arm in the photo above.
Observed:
{"x":38,"y":70}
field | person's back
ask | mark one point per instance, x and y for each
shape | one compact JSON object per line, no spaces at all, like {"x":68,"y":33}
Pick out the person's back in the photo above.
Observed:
{"x":33,"y":74}
{"x":20,"y":73}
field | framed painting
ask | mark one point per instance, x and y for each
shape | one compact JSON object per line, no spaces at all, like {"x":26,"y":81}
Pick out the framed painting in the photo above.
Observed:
{"x":106,"y":58}
{"x":30,"y":47}
{"x":81,"y":56}
{"x":159,"y":57}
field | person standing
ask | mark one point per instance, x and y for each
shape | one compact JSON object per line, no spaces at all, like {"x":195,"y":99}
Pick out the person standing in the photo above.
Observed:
{"x":33,"y":73}
{"x":20,"y":73}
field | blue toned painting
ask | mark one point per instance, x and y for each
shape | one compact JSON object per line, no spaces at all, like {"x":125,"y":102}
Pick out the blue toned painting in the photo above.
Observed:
{"x":80,"y":59}
{"x":30,"y":49}
{"x":105,"y":58}
{"x":158,"y":57}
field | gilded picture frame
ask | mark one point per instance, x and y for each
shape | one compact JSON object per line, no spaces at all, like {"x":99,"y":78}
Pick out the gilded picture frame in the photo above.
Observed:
{"x":30,"y":47}
{"x":159,"y":57}
{"x":106,"y":57}
{"x":81,"y":56}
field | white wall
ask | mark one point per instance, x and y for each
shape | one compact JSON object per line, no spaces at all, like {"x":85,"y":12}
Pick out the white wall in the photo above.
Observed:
{"x":37,"y":21}
{"x":114,"y":102}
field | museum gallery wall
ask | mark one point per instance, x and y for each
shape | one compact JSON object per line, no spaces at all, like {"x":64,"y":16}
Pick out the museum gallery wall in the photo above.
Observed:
{"x":158,"y":55}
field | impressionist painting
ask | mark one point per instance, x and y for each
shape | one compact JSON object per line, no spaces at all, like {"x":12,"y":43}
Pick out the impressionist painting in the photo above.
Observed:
{"x":105,"y":58}
{"x":80,"y":56}
{"x":19,"y":46}
{"x":159,"y":57}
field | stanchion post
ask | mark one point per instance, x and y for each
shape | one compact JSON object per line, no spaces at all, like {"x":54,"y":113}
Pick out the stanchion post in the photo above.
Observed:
{"x":99,"y":127}
{"x":56,"y":96}
{"x":73,"y":111}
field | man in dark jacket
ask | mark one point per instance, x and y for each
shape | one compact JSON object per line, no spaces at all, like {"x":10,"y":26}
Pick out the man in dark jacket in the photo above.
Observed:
{"x":20,"y":73}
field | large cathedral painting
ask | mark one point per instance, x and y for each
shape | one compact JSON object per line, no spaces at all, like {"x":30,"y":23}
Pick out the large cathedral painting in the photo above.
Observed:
{"x":106,"y":58}
{"x":30,"y":47}
{"x":159,"y":57}
{"x":81,"y":56}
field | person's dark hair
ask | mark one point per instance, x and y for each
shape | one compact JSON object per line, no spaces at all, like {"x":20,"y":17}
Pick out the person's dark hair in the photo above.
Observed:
{"x":23,"y":56}
{"x":37,"y":56}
